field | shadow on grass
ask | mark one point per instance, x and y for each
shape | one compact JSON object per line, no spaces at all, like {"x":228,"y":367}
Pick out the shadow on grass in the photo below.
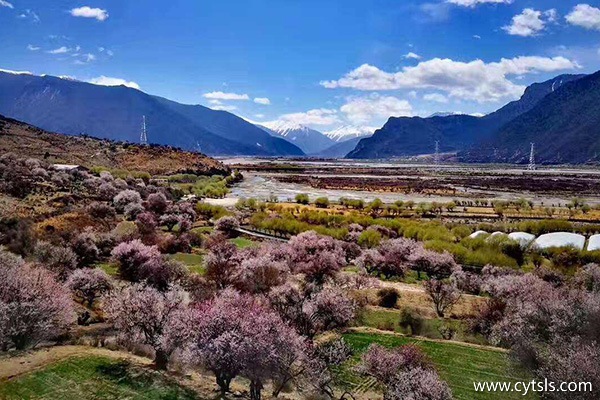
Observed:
{"x":123,"y":373}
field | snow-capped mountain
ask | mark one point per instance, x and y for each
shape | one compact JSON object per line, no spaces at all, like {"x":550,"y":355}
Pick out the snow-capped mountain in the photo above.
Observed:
{"x":348,"y":132}
{"x":309,"y":140}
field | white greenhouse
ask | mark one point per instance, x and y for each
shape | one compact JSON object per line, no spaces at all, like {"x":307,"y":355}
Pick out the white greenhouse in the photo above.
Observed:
{"x":560,"y":239}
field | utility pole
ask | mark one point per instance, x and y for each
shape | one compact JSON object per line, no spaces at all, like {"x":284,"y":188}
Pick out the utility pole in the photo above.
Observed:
{"x":436,"y":156}
{"x":143,"y":135}
{"x":531,"y":166}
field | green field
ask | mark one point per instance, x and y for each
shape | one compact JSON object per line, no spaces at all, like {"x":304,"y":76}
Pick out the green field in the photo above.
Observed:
{"x":459,"y":365}
{"x":93,"y":378}
{"x":242,"y":243}
{"x":388,"y":319}
{"x":194,"y":262}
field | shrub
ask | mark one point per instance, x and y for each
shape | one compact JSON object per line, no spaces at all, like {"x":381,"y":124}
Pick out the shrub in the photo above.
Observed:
{"x":89,"y":284}
{"x":322,"y":202}
{"x":369,"y":238}
{"x":409,"y":319}
{"x":84,"y":245}
{"x":157,"y":203}
{"x":388,"y":297}
{"x":302,"y":198}
{"x":227,"y":225}
{"x":125,"y":198}
{"x":58,"y":259}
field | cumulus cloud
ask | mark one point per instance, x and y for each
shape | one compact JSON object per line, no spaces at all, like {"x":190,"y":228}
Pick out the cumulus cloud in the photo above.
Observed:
{"x":585,"y":16}
{"x":412,"y":56}
{"x":475,"y":80}
{"x":224,"y":107}
{"x":319,"y":116}
{"x":89,"y":12}
{"x":4,"y":3}
{"x":225,"y":96}
{"x":31,"y":47}
{"x":437,"y":97}
{"x":361,"y":110}
{"x":262,"y":100}
{"x":530,"y":22}
{"x":60,"y":50}
{"x":109,"y":81}
{"x":474,"y":3}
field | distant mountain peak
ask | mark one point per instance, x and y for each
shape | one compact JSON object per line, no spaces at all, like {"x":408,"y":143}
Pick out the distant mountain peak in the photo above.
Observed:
{"x":348,"y":132}
{"x":309,"y":140}
{"x":283,"y":128}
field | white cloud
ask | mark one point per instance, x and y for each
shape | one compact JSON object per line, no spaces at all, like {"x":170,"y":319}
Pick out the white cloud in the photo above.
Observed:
{"x":60,"y":50}
{"x":437,"y":97}
{"x":319,"y":116}
{"x":261,"y":116}
{"x":31,"y":47}
{"x":262,"y":100}
{"x":215,"y":102}
{"x":474,"y":3}
{"x":476,"y":37}
{"x":225,"y":96}
{"x":412,"y":56}
{"x":585,"y":16}
{"x":475,"y":80}
{"x":9,"y":71}
{"x":89,"y":57}
{"x":224,"y":107}
{"x":88,"y":12}
{"x":109,"y":81}
{"x":361,"y":110}
{"x":530,"y":22}
{"x":4,"y":3}
{"x":28,"y":14}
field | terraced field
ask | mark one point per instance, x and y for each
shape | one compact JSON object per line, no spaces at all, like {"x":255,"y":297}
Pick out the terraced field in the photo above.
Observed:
{"x":93,"y":377}
{"x":459,"y":365}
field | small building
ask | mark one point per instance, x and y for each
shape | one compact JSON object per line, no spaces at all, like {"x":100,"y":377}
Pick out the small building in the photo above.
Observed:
{"x":69,"y":167}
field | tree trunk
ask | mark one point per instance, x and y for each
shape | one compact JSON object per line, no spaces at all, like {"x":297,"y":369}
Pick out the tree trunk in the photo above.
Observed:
{"x":161,"y":360}
{"x":223,"y":380}
{"x":255,"y":390}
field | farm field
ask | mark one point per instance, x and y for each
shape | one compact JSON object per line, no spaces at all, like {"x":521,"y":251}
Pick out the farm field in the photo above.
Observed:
{"x":459,"y":365}
{"x":93,"y":377}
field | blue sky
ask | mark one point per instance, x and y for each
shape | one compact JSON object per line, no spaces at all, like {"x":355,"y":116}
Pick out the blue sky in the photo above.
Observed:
{"x":323,"y":63}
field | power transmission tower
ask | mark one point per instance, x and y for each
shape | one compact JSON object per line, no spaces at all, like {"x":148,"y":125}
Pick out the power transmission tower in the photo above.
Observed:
{"x":143,"y":135}
{"x":436,"y":156}
{"x":531,"y":165}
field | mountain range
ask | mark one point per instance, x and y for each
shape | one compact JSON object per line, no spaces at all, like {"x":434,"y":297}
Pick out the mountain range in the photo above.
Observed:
{"x":309,"y":140}
{"x":410,"y":136}
{"x":73,"y":108}
{"x":564,"y":127}
{"x":561,"y":116}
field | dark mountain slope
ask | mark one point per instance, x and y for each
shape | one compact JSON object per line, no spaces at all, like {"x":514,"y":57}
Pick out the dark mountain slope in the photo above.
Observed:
{"x":565,"y":127}
{"x":29,"y":141}
{"x":338,"y":150}
{"x":413,"y":136}
{"x":73,"y":107}
{"x":232,"y":127}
